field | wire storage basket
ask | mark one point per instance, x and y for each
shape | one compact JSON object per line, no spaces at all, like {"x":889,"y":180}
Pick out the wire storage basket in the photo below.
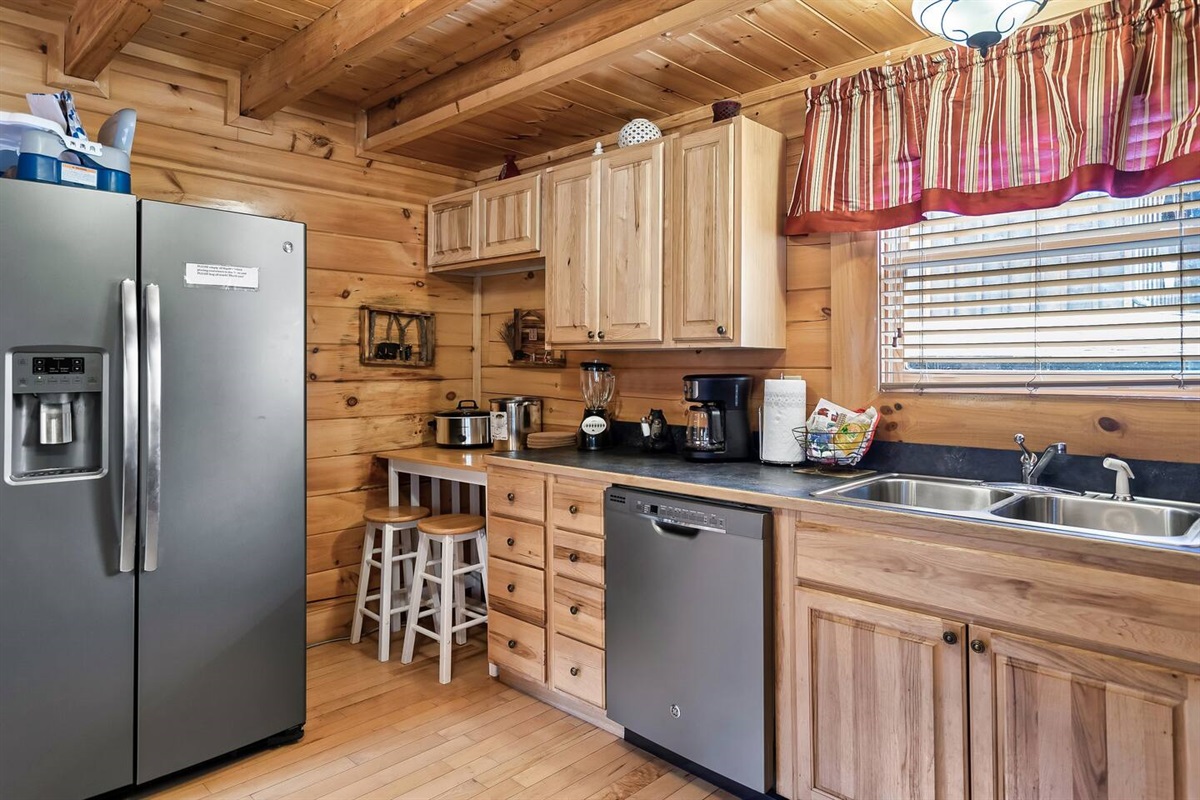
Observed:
{"x":841,"y":447}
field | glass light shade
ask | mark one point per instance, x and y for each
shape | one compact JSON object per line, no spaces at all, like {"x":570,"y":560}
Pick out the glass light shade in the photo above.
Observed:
{"x":980,"y":24}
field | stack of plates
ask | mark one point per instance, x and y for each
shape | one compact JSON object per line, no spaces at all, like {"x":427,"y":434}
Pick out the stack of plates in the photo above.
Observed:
{"x":545,"y":440}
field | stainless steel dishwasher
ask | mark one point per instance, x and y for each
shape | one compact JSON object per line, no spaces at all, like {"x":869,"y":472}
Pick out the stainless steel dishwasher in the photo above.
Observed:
{"x":688,"y":632}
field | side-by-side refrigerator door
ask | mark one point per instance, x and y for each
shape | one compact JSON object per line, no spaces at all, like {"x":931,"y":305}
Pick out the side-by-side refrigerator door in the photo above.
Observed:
{"x":221,"y":590}
{"x":68,"y":259}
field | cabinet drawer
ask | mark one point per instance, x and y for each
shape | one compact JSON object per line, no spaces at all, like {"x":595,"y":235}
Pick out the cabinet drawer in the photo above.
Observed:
{"x":579,"y":611}
{"x":578,"y":508}
{"x":579,"y":556}
{"x":579,"y":670}
{"x":515,"y":495}
{"x":517,"y":645}
{"x":517,"y":590}
{"x":522,"y":542}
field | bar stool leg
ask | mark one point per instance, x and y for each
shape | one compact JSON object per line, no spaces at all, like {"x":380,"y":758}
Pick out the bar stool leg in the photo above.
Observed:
{"x":445,"y":638}
{"x":460,"y":590}
{"x":364,"y":578}
{"x":481,"y":551}
{"x":385,"y":593}
{"x":415,"y":595}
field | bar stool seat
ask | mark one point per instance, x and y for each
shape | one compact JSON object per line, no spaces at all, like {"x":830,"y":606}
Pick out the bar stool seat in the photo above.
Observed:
{"x":451,"y":613}
{"x":451,"y":524}
{"x":395,"y":514}
{"x":394,"y":558}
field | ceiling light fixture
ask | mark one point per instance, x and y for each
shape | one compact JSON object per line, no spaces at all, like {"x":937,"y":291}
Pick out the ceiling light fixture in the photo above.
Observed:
{"x":980,"y":24}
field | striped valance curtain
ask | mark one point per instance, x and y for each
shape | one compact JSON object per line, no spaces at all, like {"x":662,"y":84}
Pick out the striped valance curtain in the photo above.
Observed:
{"x":1108,"y":101}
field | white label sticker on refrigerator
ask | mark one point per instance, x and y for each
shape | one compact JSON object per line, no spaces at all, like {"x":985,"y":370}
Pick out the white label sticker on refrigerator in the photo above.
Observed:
{"x":221,"y":276}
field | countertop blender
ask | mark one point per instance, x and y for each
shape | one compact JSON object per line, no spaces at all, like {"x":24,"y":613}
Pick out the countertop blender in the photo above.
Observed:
{"x":597,"y":383}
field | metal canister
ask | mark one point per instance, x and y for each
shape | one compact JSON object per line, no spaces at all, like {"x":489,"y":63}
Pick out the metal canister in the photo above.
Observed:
{"x":513,"y":419}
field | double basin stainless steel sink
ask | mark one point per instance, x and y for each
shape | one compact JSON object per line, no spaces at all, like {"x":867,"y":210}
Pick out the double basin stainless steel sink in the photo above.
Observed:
{"x":1140,"y":520}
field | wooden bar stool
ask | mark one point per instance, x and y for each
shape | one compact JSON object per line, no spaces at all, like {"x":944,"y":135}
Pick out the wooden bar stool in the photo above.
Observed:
{"x":395,"y":553}
{"x":451,"y":613}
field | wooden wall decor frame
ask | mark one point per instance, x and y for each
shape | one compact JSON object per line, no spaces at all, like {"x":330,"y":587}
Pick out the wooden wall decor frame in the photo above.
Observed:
{"x":391,"y":337}
{"x":525,"y":336}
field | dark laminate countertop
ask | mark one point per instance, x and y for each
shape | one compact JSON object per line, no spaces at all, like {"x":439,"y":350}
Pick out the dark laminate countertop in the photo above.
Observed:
{"x":740,"y":476}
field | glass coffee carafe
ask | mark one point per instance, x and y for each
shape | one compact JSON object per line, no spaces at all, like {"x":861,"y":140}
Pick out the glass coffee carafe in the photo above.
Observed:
{"x":706,"y":428}
{"x":596,"y":383}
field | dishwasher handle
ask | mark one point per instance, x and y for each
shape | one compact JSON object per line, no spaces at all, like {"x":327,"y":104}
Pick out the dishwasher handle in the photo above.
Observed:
{"x":674,"y":530}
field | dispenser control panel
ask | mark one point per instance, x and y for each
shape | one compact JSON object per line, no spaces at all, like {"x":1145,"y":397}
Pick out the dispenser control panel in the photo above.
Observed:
{"x":34,"y":372}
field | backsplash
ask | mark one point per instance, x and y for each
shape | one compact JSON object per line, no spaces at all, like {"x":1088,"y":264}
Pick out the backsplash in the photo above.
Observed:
{"x":1166,"y":480}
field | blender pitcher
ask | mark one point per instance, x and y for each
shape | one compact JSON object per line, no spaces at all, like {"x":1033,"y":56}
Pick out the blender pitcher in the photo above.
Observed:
{"x":596,"y":383}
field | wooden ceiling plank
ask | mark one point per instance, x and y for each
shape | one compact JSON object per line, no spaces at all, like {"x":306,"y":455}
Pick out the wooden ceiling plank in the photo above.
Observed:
{"x":179,"y":40}
{"x":799,"y":27}
{"x":623,"y":108}
{"x":291,"y":15}
{"x":218,"y":21}
{"x":497,"y":38}
{"x":346,"y":35}
{"x":676,"y":79}
{"x":876,"y":23}
{"x":750,"y":44}
{"x":699,"y":56}
{"x":538,"y":61}
{"x":624,"y":84}
{"x":98,"y":29}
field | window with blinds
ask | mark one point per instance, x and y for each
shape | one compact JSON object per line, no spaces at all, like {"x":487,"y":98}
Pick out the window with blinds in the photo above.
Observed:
{"x":1096,"y":292}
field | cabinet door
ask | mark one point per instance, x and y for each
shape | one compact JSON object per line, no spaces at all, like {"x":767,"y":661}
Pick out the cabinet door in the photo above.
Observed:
{"x":572,"y":254}
{"x":451,"y":230}
{"x":880,"y":702}
{"x":510,"y":219}
{"x":703,"y":259}
{"x":1052,"y":721}
{"x":631,"y":245}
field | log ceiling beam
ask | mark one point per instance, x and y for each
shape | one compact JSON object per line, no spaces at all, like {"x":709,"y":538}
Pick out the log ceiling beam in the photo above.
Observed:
{"x":345,"y":36}
{"x":574,"y":46}
{"x":98,"y":29}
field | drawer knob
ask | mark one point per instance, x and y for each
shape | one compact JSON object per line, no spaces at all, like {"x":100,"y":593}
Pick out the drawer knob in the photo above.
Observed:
{"x":511,"y":497}
{"x":720,"y":330}
{"x":950,"y":637}
{"x":574,"y":672}
{"x":573,"y":557}
{"x":600,"y":335}
{"x":512,"y":587}
{"x":978,"y":646}
{"x":574,"y":610}
{"x":591,"y":334}
{"x":510,"y":541}
{"x":573,"y":510}
{"x":512,"y":644}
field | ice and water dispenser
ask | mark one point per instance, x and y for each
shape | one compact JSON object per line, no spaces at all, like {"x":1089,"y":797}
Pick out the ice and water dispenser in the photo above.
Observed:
{"x":55,"y":415}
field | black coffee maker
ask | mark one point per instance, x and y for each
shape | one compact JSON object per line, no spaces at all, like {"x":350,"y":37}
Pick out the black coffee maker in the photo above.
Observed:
{"x":718,"y":427}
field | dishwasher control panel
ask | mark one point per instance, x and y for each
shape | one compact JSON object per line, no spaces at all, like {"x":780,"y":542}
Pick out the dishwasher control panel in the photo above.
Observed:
{"x":679,"y":515}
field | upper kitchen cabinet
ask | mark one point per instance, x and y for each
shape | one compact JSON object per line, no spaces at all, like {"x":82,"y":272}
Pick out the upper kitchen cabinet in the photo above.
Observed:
{"x":727,"y":263}
{"x":688,"y":251}
{"x":604,"y":257}
{"x":493,"y":225}
{"x":631,"y":246}
{"x":572,"y":254}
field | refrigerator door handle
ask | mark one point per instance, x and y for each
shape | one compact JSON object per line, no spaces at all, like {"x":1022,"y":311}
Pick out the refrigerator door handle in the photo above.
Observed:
{"x":153,"y":424}
{"x":129,"y":434}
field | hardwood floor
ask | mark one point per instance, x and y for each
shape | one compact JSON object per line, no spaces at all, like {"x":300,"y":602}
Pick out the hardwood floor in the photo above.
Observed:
{"x":392,"y":731}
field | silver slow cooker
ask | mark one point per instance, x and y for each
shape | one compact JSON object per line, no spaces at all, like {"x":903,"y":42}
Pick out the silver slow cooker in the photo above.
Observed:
{"x":466,"y":426}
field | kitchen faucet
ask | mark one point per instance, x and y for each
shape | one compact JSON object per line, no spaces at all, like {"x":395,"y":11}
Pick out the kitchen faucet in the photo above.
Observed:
{"x":1033,"y":465}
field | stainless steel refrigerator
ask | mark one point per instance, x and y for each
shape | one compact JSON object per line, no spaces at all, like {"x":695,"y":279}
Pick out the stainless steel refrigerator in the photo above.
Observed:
{"x":152,"y":511}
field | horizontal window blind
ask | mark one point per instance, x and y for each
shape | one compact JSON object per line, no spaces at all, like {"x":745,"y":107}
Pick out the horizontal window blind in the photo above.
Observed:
{"x":1095,"y":292}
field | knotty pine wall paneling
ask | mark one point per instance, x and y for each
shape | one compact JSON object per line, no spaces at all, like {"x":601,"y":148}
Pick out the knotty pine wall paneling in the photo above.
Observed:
{"x":366,"y":226}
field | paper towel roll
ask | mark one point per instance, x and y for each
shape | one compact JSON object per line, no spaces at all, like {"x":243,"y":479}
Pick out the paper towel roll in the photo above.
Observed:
{"x":784,"y":404}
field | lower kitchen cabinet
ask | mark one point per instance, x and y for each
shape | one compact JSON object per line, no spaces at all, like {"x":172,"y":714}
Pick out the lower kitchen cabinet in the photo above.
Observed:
{"x":885,"y":690}
{"x":517,"y":645}
{"x":1052,"y":721}
{"x":882,"y":710}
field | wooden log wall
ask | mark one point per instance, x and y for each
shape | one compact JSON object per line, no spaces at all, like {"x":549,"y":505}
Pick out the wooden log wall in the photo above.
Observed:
{"x":366,"y":226}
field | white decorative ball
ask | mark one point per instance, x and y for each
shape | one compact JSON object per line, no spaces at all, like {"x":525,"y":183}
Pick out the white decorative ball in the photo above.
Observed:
{"x":638,"y":131}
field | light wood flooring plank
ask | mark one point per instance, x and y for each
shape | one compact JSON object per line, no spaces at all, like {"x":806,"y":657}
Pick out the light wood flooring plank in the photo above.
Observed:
{"x":390,"y":730}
